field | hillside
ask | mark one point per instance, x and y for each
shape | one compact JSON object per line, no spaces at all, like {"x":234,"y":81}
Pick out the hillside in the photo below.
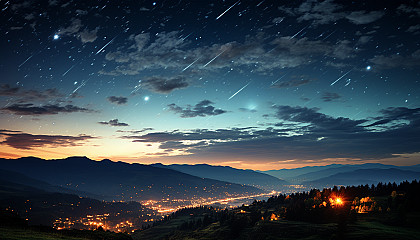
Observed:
{"x":109,"y":180}
{"x":42,"y":207}
{"x":364,"y":176}
{"x":229,"y":174}
{"x":384,"y":211}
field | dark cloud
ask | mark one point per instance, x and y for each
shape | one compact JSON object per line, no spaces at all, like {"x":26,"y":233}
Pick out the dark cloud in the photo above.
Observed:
{"x":135,"y":131}
{"x":175,"y":145}
{"x":363,"y":17}
{"x":326,"y":137}
{"x":75,"y":30}
{"x":317,"y":121}
{"x":330,"y":97}
{"x":26,"y":141}
{"x":411,"y":10}
{"x":326,"y":12}
{"x":396,"y":114}
{"x":397,"y":61}
{"x":168,"y":50}
{"x":163,"y":84}
{"x":6,"y":90}
{"x":201,"y":109}
{"x":414,"y":29}
{"x":114,"y":123}
{"x":291,"y":83}
{"x":194,"y":135}
{"x":29,"y":95}
{"x":50,"y":109}
{"x":117,"y":100}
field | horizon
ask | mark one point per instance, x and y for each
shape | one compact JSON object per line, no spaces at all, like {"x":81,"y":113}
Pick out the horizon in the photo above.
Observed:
{"x":251,"y":85}
{"x":194,"y":164}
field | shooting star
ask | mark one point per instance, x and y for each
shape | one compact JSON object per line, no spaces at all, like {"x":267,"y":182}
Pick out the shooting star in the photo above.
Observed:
{"x":298,"y":32}
{"x":239,"y":91}
{"x":278,"y":80}
{"x":64,"y":74}
{"x":329,"y":35}
{"x":214,"y":58}
{"x":338,"y":79}
{"x":100,"y":50}
{"x":190,"y":64}
{"x":260,"y":3}
{"x":183,"y":39}
{"x":226,"y":10}
{"x":81,"y":85}
{"x":26,"y":60}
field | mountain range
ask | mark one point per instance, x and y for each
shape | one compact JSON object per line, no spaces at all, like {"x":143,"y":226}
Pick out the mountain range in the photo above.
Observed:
{"x":338,"y":174}
{"x":107,"y":180}
{"x":229,"y":174}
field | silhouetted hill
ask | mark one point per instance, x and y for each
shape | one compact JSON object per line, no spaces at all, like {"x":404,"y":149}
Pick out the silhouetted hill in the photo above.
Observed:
{"x":305,"y":174}
{"x":291,"y":174}
{"x":42,"y":207}
{"x":365,"y":176}
{"x":339,"y":169}
{"x":229,"y":174}
{"x":122,"y":181}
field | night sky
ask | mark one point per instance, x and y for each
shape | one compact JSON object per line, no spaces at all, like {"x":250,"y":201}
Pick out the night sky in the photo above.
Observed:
{"x":250,"y":84}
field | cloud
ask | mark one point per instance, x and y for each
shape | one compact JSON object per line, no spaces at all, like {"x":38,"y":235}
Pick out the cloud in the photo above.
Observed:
{"x":201,"y":109}
{"x":6,"y":90}
{"x":397,"y":61}
{"x":169,"y":50}
{"x":164,"y":85}
{"x":117,"y":100}
{"x":363,"y":17}
{"x":135,"y":131}
{"x":29,"y":95}
{"x":317,"y":121}
{"x":398,"y":114}
{"x":411,"y":10}
{"x":88,"y":36}
{"x":50,"y":109}
{"x":326,"y":12}
{"x":114,"y":123}
{"x":291,"y":83}
{"x":26,"y":141}
{"x":313,"y":137}
{"x":330,"y":97}
{"x":206,"y":135}
{"x":75,"y":30}
{"x":414,"y":28}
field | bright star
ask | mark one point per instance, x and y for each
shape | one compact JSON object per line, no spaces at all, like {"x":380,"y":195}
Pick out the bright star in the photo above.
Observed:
{"x":368,"y":68}
{"x":146,"y":98}
{"x":56,"y":36}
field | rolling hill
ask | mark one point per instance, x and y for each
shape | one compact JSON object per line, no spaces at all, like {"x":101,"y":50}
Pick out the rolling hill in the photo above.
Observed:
{"x":364,"y":176}
{"x":229,"y":174}
{"x":109,"y":180}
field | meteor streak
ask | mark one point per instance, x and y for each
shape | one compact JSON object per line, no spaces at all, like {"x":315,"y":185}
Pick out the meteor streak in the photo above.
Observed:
{"x":338,"y":79}
{"x":298,"y":32}
{"x":190,"y":65}
{"x":226,"y":10}
{"x":214,"y":58}
{"x":26,"y":60}
{"x":64,"y":74}
{"x":278,"y":79}
{"x":100,"y":50}
{"x":239,"y":91}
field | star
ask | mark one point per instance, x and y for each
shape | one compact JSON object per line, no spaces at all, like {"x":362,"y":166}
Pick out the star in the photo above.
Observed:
{"x":368,"y":68}
{"x":146,"y":98}
{"x":56,"y":36}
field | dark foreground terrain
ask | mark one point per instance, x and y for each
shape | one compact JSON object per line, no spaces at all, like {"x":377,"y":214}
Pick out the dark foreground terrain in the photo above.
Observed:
{"x":384,"y":211}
